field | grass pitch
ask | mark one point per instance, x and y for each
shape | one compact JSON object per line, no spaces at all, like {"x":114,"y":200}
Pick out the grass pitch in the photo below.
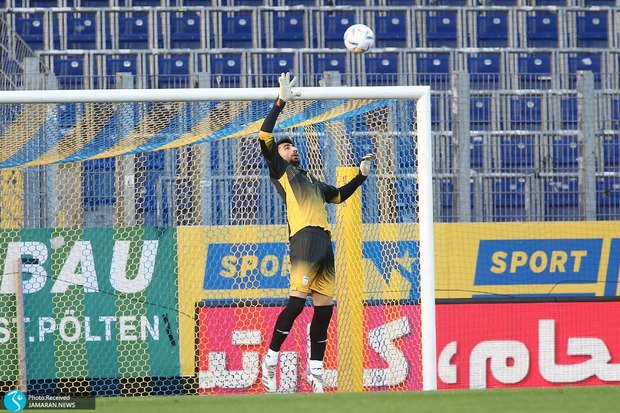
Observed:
{"x":561,"y":400}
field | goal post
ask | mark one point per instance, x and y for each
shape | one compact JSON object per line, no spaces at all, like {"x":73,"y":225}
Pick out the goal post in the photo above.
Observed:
{"x":160,"y":244}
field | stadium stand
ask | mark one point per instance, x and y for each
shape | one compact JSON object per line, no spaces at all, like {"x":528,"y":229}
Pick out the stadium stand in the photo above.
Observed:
{"x":522,"y":57}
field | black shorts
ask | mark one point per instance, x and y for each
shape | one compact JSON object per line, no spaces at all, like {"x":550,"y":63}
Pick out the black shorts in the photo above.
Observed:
{"x":312,"y":262}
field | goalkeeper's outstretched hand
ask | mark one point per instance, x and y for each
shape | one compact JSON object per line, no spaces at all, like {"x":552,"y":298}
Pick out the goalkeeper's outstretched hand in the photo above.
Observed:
{"x":365,"y":163}
{"x":286,"y":84}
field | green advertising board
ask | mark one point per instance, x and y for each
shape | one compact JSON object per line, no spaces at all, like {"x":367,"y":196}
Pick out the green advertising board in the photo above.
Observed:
{"x":98,"y":302}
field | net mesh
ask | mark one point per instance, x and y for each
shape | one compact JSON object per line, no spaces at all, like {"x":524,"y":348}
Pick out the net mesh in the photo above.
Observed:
{"x":153,"y":247}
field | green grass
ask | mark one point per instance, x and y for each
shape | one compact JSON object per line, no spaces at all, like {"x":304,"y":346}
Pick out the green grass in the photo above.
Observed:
{"x":561,"y":400}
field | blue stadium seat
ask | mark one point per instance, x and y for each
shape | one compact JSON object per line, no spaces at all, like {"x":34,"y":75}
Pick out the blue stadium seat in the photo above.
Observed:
{"x":433,"y":70}
{"x":381,"y":69}
{"x":446,"y":199}
{"x":185,"y":31}
{"x":492,"y":29}
{"x":480,"y":113}
{"x":608,"y":197}
{"x":335,"y":24}
{"x":236,"y":30}
{"x":98,"y":180}
{"x":44,"y":3}
{"x":562,"y":199}
{"x":173,"y":71}
{"x":615,"y":113}
{"x":565,"y":152}
{"x":484,"y":71}
{"x":592,"y":29}
{"x":508,"y":199}
{"x":288,"y":29}
{"x":584,"y":61}
{"x":391,"y":29}
{"x":31,"y":30}
{"x":115,"y":64}
{"x":535,"y":71}
{"x":569,"y":115}
{"x":526,"y":112}
{"x":273,"y":65}
{"x":542,"y":29}
{"x":405,"y":199}
{"x":328,"y":62}
{"x":91,"y":3}
{"x":441,"y":29}
{"x":476,"y":152}
{"x":133,"y":32}
{"x":517,"y":153}
{"x":82,"y":32}
{"x":611,"y":152}
{"x":228,"y":68}
{"x":69,"y":71}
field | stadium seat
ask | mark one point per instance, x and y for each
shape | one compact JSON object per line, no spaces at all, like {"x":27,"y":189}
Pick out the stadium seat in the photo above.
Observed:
{"x":565,"y":153}
{"x":98,"y":179}
{"x":381,"y":69}
{"x":480,"y":113}
{"x":329,"y":62}
{"x":534,"y":71}
{"x":133,"y":32}
{"x":607,"y":197}
{"x":69,"y":71}
{"x":542,"y":29}
{"x":391,"y":29}
{"x":517,"y":153}
{"x":92,"y":3}
{"x":227,"y":67}
{"x":271,"y":66}
{"x":569,"y":115}
{"x":44,"y":3}
{"x":236,"y":30}
{"x":335,"y":24}
{"x":476,"y":152}
{"x":611,"y":152}
{"x":441,"y":29}
{"x":185,"y":31}
{"x":526,"y":112}
{"x":173,"y":71}
{"x":31,"y":30}
{"x":584,"y":61}
{"x":288,"y":29}
{"x":492,"y":29}
{"x":592,"y":30}
{"x":82,"y":32}
{"x":562,"y":199}
{"x":115,"y":64}
{"x":433,"y":70}
{"x":405,"y":199}
{"x":484,"y":71}
{"x":508,"y":199}
{"x":615,"y":113}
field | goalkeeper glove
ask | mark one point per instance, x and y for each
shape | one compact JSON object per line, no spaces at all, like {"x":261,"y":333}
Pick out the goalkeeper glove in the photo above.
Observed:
{"x":365,"y":164}
{"x":286,"y":84}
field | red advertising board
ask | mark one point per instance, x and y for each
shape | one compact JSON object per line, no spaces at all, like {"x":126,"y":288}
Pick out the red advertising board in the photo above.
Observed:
{"x":486,"y":345}
{"x":232,"y":341}
{"x":528,"y":344}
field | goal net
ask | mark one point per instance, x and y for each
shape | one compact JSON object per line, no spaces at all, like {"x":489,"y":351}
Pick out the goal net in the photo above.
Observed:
{"x":144,"y":249}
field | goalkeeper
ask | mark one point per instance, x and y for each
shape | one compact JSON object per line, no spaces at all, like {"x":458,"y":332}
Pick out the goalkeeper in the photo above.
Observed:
{"x":311,"y":252}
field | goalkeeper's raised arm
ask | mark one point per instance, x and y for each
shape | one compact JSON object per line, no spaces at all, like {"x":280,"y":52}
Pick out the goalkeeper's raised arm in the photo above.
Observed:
{"x":269,"y":147}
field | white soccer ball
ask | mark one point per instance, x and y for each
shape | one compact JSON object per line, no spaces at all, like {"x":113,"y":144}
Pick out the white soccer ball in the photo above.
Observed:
{"x":359,"y":38}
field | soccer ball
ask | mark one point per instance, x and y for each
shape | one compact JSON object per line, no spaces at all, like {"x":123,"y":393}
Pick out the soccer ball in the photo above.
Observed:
{"x":359,"y":38}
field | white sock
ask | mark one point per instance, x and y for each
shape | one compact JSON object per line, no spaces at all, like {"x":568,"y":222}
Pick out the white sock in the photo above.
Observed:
{"x":272,"y":357}
{"x":316,"y":367}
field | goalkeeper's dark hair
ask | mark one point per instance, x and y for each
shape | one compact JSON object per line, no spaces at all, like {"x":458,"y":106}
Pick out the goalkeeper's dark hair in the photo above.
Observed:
{"x":285,"y":140}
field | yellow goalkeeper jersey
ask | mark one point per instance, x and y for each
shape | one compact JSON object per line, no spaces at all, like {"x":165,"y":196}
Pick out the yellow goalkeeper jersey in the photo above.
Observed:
{"x":304,"y":196}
